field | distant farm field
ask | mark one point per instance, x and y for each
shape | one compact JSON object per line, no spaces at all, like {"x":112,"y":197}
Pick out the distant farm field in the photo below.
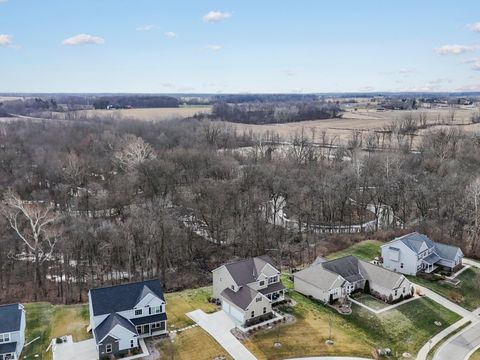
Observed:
{"x":153,"y":114}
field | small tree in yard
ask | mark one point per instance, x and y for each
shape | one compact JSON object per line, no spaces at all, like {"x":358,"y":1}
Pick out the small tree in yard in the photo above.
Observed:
{"x":366,"y":289}
{"x":390,"y":298}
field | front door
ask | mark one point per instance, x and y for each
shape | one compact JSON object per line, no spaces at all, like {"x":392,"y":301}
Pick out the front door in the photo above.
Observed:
{"x":146,"y":329}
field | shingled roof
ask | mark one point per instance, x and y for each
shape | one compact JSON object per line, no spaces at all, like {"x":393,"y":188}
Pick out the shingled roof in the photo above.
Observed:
{"x":247,"y":271}
{"x":242,"y":298}
{"x":10,"y":317}
{"x":118,"y":298}
{"x":107,"y":325}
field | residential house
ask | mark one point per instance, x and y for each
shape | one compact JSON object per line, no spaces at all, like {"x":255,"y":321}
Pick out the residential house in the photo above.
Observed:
{"x":331,"y":280}
{"x":414,"y":253}
{"x":248,"y":288}
{"x":122,"y":315}
{"x":12,"y":331}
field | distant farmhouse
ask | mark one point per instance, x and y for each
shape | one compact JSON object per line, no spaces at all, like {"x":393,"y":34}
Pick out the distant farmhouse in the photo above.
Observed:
{"x":332,"y":280}
{"x":248,"y":288}
{"x":414,"y":253}
{"x":122,"y":315}
{"x":12,"y":331}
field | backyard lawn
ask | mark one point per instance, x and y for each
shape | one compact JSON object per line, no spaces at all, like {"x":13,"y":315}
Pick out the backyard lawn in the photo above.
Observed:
{"x":405,"y":328}
{"x":467,"y":294}
{"x":192,"y":344}
{"x":365,"y":250}
{"x":370,"y":301}
{"x":180,"y":303}
{"x":46,"y":321}
{"x":475,"y":356}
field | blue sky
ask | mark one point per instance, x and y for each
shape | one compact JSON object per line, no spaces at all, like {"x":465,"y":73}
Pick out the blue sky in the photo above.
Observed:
{"x":239,"y":45}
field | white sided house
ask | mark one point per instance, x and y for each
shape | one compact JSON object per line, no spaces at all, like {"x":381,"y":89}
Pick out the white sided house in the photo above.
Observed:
{"x":328,"y":281}
{"x":12,"y":331}
{"x":121,"y":315}
{"x":414,"y":253}
{"x":248,"y":288}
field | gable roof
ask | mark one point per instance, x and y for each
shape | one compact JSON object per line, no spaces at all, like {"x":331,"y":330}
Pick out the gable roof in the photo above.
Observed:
{"x":242,"y":298}
{"x":447,"y":252}
{"x":107,"y":325}
{"x":247,"y":271}
{"x":317,"y":276}
{"x":414,"y":241}
{"x":346,"y":266}
{"x":10,"y":317}
{"x":118,"y":298}
{"x":380,"y":276}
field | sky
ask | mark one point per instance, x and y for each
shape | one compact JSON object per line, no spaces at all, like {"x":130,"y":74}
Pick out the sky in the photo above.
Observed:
{"x":239,"y":46}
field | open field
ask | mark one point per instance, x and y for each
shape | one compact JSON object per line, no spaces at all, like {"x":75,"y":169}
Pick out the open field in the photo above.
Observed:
{"x":192,"y":344}
{"x":47,"y":321}
{"x":404,"y":329}
{"x":363,"y":120}
{"x":365,"y":250}
{"x":466,"y":294}
{"x":153,"y":114}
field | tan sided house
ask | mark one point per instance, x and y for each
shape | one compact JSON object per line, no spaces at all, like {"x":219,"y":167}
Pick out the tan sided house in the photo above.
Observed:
{"x":248,"y":288}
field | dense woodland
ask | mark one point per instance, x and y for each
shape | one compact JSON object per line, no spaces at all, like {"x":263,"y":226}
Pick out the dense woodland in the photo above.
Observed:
{"x":98,"y":201}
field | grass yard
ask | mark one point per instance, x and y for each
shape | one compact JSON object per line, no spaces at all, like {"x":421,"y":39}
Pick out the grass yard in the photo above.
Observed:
{"x":405,"y":328}
{"x":46,"y":321}
{"x":180,"y":303}
{"x":371,"y":301}
{"x":365,"y":250}
{"x":467,"y":294}
{"x":192,"y":344}
{"x":475,"y":355}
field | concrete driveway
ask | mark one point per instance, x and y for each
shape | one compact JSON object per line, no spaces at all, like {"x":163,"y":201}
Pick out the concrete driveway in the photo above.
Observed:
{"x":82,"y":350}
{"x":218,"y":325}
{"x":461,"y":345}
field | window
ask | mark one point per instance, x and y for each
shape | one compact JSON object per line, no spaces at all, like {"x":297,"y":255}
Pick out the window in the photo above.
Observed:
{"x":132,"y":343}
{"x":233,"y":287}
{"x":262,"y":283}
{"x":264,"y":310}
{"x":138,"y":312}
{"x":108,"y":348}
{"x":273,"y":279}
{"x":401,"y":265}
{"x":155,"y":310}
{"x":4,"y":338}
{"x":258,"y":299}
{"x":253,"y":314}
{"x":404,"y":290}
{"x":10,"y":356}
{"x":396,"y":292}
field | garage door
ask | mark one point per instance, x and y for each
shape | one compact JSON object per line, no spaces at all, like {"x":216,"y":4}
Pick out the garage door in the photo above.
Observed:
{"x":232,"y":311}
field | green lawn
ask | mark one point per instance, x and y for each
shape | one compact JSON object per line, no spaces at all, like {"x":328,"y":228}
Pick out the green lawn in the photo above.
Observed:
{"x":180,"y":303}
{"x":365,"y":250}
{"x":46,"y":321}
{"x":371,"y":301}
{"x":475,"y":356}
{"x":405,"y":328}
{"x":467,"y":294}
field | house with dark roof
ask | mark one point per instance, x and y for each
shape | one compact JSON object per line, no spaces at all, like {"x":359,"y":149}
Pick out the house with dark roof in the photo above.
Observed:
{"x":331,"y":280}
{"x":12,"y":331}
{"x":120,"y":316}
{"x":247,"y":289}
{"x":414,"y":253}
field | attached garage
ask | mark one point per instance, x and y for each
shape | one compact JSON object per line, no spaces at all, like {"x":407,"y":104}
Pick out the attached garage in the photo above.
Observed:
{"x":232,"y":311}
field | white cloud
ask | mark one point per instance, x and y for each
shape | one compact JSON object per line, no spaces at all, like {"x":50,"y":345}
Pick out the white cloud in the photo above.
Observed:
{"x":471,"y":87}
{"x":475,"y":27}
{"x":453,"y":49}
{"x":148,"y":27}
{"x":215,"y":48}
{"x":170,"y":34}
{"x":5,"y":40}
{"x":83,"y":39}
{"x":469,"y":61}
{"x":216,"y":16}
{"x":476,"y":66}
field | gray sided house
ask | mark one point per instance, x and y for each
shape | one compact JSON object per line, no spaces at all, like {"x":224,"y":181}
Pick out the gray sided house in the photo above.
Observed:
{"x":12,"y":331}
{"x":329,"y":281}
{"x":414,"y":253}
{"x":121,"y":315}
{"x":248,"y":288}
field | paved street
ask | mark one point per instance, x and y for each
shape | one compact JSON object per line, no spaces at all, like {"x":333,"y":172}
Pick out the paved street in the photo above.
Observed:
{"x":219,"y":325}
{"x":460,"y":345}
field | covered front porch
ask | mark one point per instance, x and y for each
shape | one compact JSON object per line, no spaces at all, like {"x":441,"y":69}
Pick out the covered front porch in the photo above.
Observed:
{"x":151,"y":325}
{"x":275,"y":292}
{"x":7,"y":351}
{"x":429,"y":263}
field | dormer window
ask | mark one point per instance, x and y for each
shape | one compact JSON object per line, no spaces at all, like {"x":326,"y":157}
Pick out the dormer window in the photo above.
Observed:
{"x":273,"y":279}
{"x":156,"y":310}
{"x":138,"y":312}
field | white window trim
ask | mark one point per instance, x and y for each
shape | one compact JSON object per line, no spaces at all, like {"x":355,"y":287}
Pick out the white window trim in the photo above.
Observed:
{"x":106,"y":348}
{"x":5,"y":338}
{"x":141,"y":312}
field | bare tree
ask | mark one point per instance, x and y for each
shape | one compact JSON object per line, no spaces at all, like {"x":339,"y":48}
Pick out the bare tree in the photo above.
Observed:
{"x":133,"y":151}
{"x":33,"y":222}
